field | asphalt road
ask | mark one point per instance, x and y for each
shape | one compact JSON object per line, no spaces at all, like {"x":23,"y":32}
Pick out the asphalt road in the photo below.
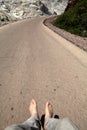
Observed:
{"x":37,"y":63}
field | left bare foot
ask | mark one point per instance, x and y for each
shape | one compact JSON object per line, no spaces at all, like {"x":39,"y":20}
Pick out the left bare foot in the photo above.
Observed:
{"x":33,"y":108}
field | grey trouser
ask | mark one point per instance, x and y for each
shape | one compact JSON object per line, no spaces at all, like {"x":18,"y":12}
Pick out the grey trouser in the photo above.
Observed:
{"x":51,"y":124}
{"x":31,"y":124}
{"x":60,"y":124}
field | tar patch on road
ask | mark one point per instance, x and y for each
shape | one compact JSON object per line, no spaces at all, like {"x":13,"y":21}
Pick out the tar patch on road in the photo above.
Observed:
{"x":0,"y":84}
{"x":12,"y":108}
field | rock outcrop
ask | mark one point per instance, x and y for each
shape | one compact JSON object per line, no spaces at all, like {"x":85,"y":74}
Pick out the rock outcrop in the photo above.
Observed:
{"x":55,"y":6}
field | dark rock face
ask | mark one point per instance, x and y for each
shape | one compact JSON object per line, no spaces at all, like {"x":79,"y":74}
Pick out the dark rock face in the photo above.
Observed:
{"x":44,"y":9}
{"x":71,"y":3}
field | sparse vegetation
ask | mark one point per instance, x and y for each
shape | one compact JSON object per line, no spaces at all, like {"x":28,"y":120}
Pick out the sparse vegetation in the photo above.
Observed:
{"x":74,"y":20}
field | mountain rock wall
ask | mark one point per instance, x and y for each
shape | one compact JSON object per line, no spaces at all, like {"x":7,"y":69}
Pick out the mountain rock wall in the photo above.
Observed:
{"x":12,"y":10}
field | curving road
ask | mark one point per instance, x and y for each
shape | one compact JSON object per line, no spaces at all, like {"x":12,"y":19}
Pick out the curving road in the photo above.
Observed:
{"x":37,"y":63}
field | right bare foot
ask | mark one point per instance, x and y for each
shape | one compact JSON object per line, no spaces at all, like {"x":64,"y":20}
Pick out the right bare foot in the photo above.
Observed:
{"x":48,"y":111}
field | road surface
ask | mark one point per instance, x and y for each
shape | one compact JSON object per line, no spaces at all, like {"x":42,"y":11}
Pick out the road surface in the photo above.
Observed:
{"x":37,"y":63}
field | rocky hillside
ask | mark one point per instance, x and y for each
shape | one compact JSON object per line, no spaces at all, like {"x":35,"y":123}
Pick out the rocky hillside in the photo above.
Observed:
{"x":12,"y":10}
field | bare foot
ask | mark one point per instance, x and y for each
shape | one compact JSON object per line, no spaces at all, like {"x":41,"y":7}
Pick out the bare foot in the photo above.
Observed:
{"x":48,"y":110}
{"x":33,"y":108}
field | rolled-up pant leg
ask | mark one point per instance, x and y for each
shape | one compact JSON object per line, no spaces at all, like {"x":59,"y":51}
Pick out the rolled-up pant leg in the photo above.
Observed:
{"x":60,"y":124}
{"x":31,"y":124}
